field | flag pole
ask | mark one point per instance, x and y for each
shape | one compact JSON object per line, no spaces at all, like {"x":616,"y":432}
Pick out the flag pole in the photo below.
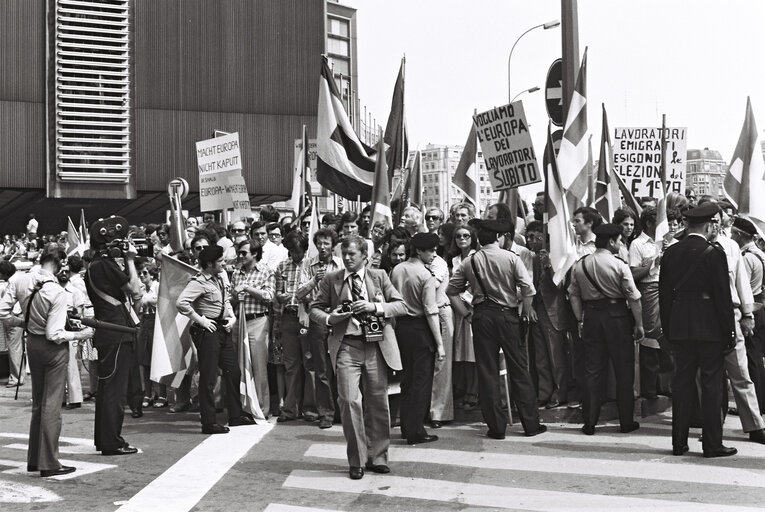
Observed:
{"x":545,"y":214}
{"x":403,"y":108}
{"x":477,"y":173}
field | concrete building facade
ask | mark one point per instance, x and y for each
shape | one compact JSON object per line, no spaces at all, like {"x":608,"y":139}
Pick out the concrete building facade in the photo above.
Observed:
{"x":705,"y":171}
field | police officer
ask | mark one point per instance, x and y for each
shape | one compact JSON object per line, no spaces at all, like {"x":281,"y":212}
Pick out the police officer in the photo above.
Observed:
{"x":494,"y":276}
{"x":204,"y":302}
{"x":697,"y":318}
{"x":600,"y":290}
{"x":418,"y":335}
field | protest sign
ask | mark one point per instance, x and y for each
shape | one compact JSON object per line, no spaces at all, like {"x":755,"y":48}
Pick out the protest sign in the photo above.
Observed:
{"x":214,"y":192}
{"x":507,"y":148}
{"x":220,"y":154}
{"x":237,"y":191}
{"x":637,"y":159}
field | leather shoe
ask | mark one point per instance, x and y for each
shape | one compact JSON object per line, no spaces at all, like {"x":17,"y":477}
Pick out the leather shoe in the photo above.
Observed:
{"x":63,"y":470}
{"x":552,"y":404}
{"x":69,"y":407}
{"x":356,"y":473}
{"x":122,"y":450}
{"x":495,"y":435}
{"x":241,"y":420}
{"x":680,"y":451}
{"x":180,"y":407}
{"x":377,"y":468}
{"x":284,"y":418}
{"x":630,"y":428}
{"x":215,"y":428}
{"x":758,"y":436}
{"x":327,"y":423}
{"x":723,"y":451}
{"x":427,"y":438}
{"x":541,"y":430}
{"x":436,"y":424}
{"x":137,"y":413}
{"x":31,"y":468}
{"x":589,"y":430}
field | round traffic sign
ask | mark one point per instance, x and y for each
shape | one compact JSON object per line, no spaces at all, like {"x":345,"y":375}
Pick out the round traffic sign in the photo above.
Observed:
{"x":554,"y":92}
{"x":178,"y":186}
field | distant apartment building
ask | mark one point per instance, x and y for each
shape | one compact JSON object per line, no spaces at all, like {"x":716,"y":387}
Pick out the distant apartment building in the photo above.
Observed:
{"x":705,"y":171}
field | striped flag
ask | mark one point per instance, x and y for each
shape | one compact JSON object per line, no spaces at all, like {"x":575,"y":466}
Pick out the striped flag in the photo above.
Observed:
{"x":413,"y":189}
{"x":301,"y":184}
{"x":343,"y":164}
{"x":744,"y":183}
{"x":396,"y":136}
{"x":381,"y":192}
{"x":172,"y":342}
{"x":562,"y":236}
{"x":247,"y":392}
{"x":574,"y":157}
{"x":466,"y":175}
{"x":72,"y":238}
{"x":84,"y":236}
{"x":662,"y":224}
{"x":606,"y":188}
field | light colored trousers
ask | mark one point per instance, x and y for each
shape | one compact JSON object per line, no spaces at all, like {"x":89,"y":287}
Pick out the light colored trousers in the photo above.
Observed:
{"x":442,"y":396}
{"x":258,"y":334}
{"x":73,"y":382}
{"x":743,"y":390}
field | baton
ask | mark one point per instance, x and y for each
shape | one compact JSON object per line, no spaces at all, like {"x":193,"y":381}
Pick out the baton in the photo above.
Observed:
{"x":98,"y":324}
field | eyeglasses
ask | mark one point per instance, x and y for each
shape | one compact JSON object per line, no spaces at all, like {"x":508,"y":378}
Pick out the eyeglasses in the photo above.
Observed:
{"x":244,"y":253}
{"x":432,"y":217}
{"x":144,"y":273}
{"x":462,"y":235}
{"x":236,"y":230}
{"x":274,"y":235}
{"x":199,"y":247}
{"x":305,"y":224}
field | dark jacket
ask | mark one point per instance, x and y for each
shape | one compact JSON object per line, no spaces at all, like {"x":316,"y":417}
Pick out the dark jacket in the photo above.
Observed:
{"x":700,"y":308}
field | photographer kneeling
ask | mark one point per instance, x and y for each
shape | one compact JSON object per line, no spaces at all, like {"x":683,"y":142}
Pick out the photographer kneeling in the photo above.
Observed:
{"x":44,"y":303}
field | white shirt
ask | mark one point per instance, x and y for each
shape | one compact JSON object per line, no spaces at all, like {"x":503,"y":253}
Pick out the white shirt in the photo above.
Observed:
{"x":273,"y":254}
{"x":740,"y":289}
{"x":641,"y":248}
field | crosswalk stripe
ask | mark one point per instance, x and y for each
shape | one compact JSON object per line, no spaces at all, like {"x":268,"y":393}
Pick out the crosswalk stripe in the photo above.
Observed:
{"x":279,"y":507}
{"x":480,"y":495}
{"x":651,"y":470}
{"x":83,"y":468}
{"x":197,"y":472}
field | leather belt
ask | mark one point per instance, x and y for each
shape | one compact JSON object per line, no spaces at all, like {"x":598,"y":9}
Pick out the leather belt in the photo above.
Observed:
{"x":354,"y":337}
{"x":253,"y":316}
{"x":448,"y":304}
{"x":604,"y":302}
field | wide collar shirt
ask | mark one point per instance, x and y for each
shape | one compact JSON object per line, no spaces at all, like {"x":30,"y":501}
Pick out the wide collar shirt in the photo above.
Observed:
{"x":740,"y":288}
{"x":417,"y":285}
{"x":641,"y":248}
{"x":260,"y":277}
{"x":754,"y":259}
{"x":204,"y":294}
{"x":612,"y":276}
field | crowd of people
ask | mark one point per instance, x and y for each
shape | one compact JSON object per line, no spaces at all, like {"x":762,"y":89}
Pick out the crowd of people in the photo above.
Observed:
{"x":438,"y":303}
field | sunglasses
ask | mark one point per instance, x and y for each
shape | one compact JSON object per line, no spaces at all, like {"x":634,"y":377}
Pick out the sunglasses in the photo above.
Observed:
{"x":304,"y":224}
{"x":432,"y":217}
{"x":244,"y":253}
{"x":462,"y":236}
{"x":274,"y":235}
{"x":199,"y":247}
{"x":144,"y":273}
{"x":235,"y":230}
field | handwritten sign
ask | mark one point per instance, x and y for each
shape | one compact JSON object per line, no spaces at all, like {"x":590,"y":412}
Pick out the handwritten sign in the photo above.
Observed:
{"x":637,"y":159}
{"x":220,"y":154}
{"x":214,"y":193}
{"x":507,"y":149}
{"x":237,"y":191}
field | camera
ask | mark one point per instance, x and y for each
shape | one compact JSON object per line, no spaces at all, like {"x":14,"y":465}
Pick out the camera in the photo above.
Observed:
{"x":345,"y":306}
{"x":118,"y":247}
{"x":374,"y":329}
{"x":73,"y":321}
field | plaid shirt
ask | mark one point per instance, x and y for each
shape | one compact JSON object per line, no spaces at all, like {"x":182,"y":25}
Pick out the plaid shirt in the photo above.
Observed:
{"x":288,"y":275}
{"x":309,"y":289}
{"x":261,"y":278}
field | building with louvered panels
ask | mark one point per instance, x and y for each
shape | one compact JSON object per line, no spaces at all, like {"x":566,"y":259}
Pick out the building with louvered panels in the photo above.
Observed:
{"x":101,"y":101}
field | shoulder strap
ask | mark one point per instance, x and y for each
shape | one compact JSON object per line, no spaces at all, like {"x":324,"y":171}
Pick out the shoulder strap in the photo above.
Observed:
{"x":692,"y":268}
{"x":478,"y":277}
{"x":591,"y":280}
{"x":32,"y":298}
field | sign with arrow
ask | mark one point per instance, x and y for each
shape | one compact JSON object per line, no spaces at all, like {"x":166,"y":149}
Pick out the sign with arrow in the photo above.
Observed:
{"x":554,"y":92}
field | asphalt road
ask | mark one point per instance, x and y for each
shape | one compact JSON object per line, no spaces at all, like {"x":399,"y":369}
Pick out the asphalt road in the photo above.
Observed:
{"x":296,"y":467}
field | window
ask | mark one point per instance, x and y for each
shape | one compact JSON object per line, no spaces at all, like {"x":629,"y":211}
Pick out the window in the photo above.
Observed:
{"x":338,"y":46}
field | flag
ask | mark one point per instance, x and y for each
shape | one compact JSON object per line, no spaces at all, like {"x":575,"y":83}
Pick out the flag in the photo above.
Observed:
{"x":396,"y":136}
{"x":414,"y":181}
{"x":301,"y":180}
{"x":606,"y":188}
{"x":662,"y":224}
{"x":628,"y":198}
{"x":84,"y":235}
{"x":343,"y":164}
{"x":172,"y":342}
{"x":247,"y":391}
{"x":466,"y":175}
{"x":381,"y":192}
{"x":574,"y":158}
{"x":562,"y":237}
{"x":72,"y":237}
{"x":512,"y":198}
{"x":744,"y":184}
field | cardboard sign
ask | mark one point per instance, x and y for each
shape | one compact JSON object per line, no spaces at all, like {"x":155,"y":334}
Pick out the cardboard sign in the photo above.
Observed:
{"x":214,"y":192}
{"x":237,"y":190}
{"x":221,"y":154}
{"x":637,"y":159}
{"x":316,"y":188}
{"x":507,"y":149}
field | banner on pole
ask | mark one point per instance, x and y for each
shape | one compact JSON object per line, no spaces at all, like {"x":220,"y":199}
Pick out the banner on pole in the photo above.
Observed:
{"x":316,"y":188}
{"x":507,"y":148}
{"x":637,"y":159}
{"x":220,"y":154}
{"x":214,"y":193}
{"x":237,"y":190}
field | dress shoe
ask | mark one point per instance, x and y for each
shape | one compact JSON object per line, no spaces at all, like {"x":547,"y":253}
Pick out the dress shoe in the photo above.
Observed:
{"x":682,"y":450}
{"x":327,"y":423}
{"x":88,"y":397}
{"x":356,"y":473}
{"x":629,"y":428}
{"x":123,"y":450}
{"x":284,"y":418}
{"x":180,"y":407}
{"x":758,"y":436}
{"x":495,"y":435}
{"x":723,"y":451}
{"x":427,"y":438}
{"x":436,"y":424}
{"x":377,"y":468}
{"x":241,"y":420}
{"x":214,"y":429}
{"x":31,"y":468}
{"x":588,"y":430}
{"x":541,"y":430}
{"x":137,"y":413}
{"x":574,"y":404}
{"x":76,"y":405}
{"x":63,"y":470}
{"x":733,"y":411}
{"x":552,"y":404}
{"x":310,"y":418}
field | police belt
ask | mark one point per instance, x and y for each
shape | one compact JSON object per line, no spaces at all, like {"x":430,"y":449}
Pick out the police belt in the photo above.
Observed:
{"x":596,"y":303}
{"x":692,"y":295}
{"x":496,"y":306}
{"x":253,"y":316}
{"x":218,"y":321}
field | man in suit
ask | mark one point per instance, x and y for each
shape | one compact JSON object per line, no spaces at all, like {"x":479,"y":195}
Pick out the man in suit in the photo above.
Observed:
{"x":345,"y":302}
{"x":697,"y":318}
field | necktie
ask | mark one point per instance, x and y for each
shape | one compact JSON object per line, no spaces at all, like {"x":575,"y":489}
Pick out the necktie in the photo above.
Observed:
{"x":355,"y":287}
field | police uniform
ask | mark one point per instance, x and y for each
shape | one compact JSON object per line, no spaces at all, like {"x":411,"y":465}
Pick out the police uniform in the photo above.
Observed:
{"x":205,"y":296}
{"x":417,"y":286}
{"x":496,"y":326}
{"x":604,"y":283}
{"x":697,"y":318}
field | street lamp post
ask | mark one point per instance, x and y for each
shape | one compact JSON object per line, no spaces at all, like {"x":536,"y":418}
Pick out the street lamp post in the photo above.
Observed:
{"x":546,"y":26}
{"x":530,"y":90}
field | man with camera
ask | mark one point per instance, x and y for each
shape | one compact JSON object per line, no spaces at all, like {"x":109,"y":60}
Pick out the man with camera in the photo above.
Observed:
{"x":44,"y":303}
{"x":362,"y":346}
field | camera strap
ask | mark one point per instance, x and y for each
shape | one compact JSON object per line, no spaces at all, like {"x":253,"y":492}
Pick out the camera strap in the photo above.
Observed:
{"x":114,"y":302}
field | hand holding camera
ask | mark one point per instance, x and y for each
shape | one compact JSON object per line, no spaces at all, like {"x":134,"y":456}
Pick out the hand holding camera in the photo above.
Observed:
{"x":340,"y":313}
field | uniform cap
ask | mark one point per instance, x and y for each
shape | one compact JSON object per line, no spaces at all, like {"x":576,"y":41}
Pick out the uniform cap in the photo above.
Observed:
{"x":745,"y":225}
{"x":608,"y":230}
{"x":496,"y":226}
{"x":211,"y":253}
{"x":424,"y":241}
{"x":702,"y":214}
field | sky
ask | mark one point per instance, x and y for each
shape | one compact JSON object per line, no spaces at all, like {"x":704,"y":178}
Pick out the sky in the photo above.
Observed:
{"x":695,"y":61}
